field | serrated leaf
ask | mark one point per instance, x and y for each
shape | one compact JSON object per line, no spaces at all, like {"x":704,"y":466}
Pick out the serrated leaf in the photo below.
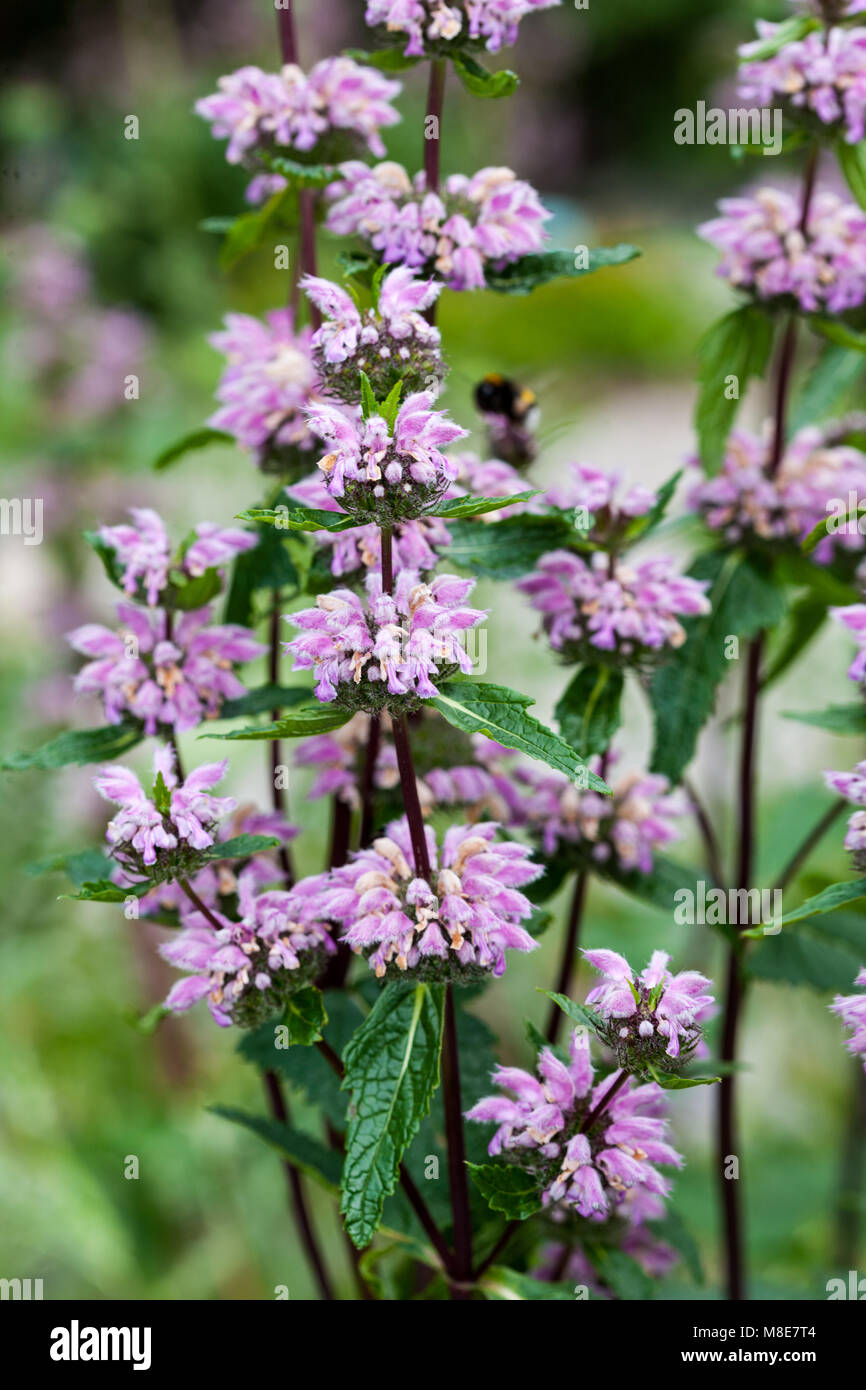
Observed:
{"x":526,"y":274}
{"x":391,"y":404}
{"x":369,"y":404}
{"x":458,"y":507}
{"x":823,"y":953}
{"x":240,"y":847}
{"x":191,"y":443}
{"x":838,"y":719}
{"x":501,"y":714}
{"x":102,"y":890}
{"x":299,"y":518}
{"x":79,"y":746}
{"x":482,"y":83}
{"x":304,"y":1067}
{"x":264,"y":698}
{"x":302,"y":1151}
{"x":507,"y":1189}
{"x":509,"y":548}
{"x":301,"y":723}
{"x":588,"y":713}
{"x":737,"y":345}
{"x":620,"y":1273}
{"x":508,"y":1285}
{"x":670,"y":1082}
{"x":580,"y":1014}
{"x":392,"y":1070}
{"x":828,"y":900}
{"x":745,"y":600}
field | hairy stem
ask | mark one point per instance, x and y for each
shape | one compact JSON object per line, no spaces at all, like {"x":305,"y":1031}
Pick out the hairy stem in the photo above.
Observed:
{"x":457,"y":1176}
{"x":409,"y":789}
{"x":368,"y":780}
{"x":280,"y":1111}
{"x":556,"y":1017}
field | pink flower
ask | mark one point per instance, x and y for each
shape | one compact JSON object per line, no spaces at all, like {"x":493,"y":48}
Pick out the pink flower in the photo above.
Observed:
{"x":382,"y":474}
{"x":430,"y":23}
{"x":852,"y":785}
{"x":814,"y":479}
{"x":268,"y":382}
{"x":385,"y":651}
{"x":161,"y":836}
{"x":246,"y":970}
{"x":391,"y":342}
{"x":492,"y":217}
{"x":594,"y":492}
{"x":823,"y":74}
{"x":143,"y":553}
{"x":649,"y":1017}
{"x":457,"y":926}
{"x":854,"y":618}
{"x":612,"y":606}
{"x":851,"y":1008}
{"x":256,"y":110}
{"x":175,"y":679}
{"x":589,"y":1169}
{"x":764,"y":250}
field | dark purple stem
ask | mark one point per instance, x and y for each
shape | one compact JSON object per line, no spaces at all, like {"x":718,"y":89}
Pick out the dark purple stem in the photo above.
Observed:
{"x":458,"y":1180}
{"x":588,"y":1122}
{"x":278,"y":798}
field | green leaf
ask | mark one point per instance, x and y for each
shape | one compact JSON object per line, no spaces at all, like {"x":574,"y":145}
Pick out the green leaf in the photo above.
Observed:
{"x":508,"y":1285}
{"x":745,"y":600}
{"x":297,"y":174}
{"x":588,"y":713}
{"x":830,"y":524}
{"x":804,"y":620}
{"x":839,"y":333}
{"x":369,"y":404}
{"x":79,"y":746}
{"x":828,"y":900}
{"x":239,"y":847}
{"x":300,"y":518}
{"x":526,"y":274}
{"x":822,"y":953}
{"x":669,"y":1082}
{"x":458,"y":507}
{"x":250,"y":230}
{"x":737,"y":345}
{"x":660,"y":886}
{"x":84,"y":866}
{"x":834,"y":375}
{"x":788,"y":31}
{"x":190,"y":443}
{"x":267,"y":566}
{"x":185,"y":595}
{"x":386,"y":59}
{"x":642,"y":525}
{"x":301,"y":723}
{"x":305,"y":1017}
{"x":102,"y":890}
{"x":263,"y":698}
{"x":580,"y":1014}
{"x":619,"y":1273}
{"x":509,"y":548}
{"x":304,"y":1068}
{"x":392,"y":1070}
{"x":303,"y":1152}
{"x":838,"y":719}
{"x":482,"y":83}
{"x":507,"y":1189}
{"x":852,"y":162}
{"x":501,"y":714}
{"x":391,"y":404}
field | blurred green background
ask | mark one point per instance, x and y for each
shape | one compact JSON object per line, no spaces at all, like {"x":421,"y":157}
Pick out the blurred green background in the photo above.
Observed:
{"x":611,"y":358}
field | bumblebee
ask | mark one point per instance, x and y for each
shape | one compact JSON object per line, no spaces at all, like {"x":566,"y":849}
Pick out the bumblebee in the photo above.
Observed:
{"x":511,"y":415}
{"x":496,"y":395}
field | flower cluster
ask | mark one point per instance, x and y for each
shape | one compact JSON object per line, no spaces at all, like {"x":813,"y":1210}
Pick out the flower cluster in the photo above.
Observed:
{"x":246,"y":970}
{"x":851,"y":1008}
{"x":490,"y":219}
{"x":767,"y":252}
{"x":594,"y":492}
{"x":823,"y":73}
{"x":607,"y":605}
{"x":259,"y":111}
{"x":163,"y":672}
{"x":266,"y":386}
{"x":142,"y":551}
{"x":589,"y":1147}
{"x":852,"y":785}
{"x":744,"y":502}
{"x":652,"y":1019}
{"x":414,"y":544}
{"x":458,"y":926}
{"x":492,"y":478}
{"x":391,"y":342}
{"x":385,"y":650}
{"x":162,"y":836}
{"x":623,"y":831}
{"x":430,"y":24}
{"x":387,"y":472}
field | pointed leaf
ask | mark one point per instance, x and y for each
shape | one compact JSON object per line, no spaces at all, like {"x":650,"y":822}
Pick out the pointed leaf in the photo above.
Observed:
{"x":301,"y":723}
{"x":527,"y":273}
{"x":79,"y":746}
{"x":482,"y":83}
{"x":302,"y":1151}
{"x":190,"y":443}
{"x":506,"y":1188}
{"x":588,"y":713}
{"x":738,"y":345}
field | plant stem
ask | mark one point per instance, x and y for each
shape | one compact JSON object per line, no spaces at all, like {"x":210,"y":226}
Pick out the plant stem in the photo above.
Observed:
{"x":556,"y":1017}
{"x":387,"y":561}
{"x":498,"y":1248}
{"x":457,"y":1176}
{"x":280,"y":1112}
{"x":287,"y":32}
{"x":409,"y":788}
{"x":814,"y":838}
{"x":590,"y":1119}
{"x":187,"y":888}
{"x":368,"y":779}
{"x":435,"y":98}
{"x":849,"y":1202}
